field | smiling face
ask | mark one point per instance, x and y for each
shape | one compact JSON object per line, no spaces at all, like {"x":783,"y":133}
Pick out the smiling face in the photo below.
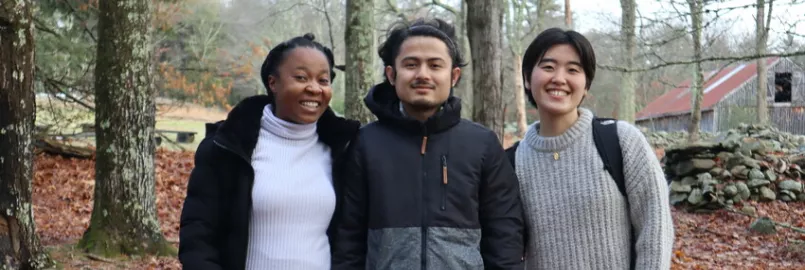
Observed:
{"x":301,"y":86}
{"x":424,"y":73}
{"x":557,"y":82}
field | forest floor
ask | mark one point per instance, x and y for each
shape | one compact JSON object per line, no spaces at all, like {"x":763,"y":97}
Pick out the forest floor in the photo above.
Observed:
{"x":63,"y":191}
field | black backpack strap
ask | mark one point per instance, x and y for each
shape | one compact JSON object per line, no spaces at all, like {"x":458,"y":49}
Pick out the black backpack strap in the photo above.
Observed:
{"x":605,"y":134}
{"x":607,"y":141}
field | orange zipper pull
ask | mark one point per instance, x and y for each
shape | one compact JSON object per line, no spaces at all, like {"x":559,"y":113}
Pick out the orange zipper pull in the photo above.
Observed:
{"x":424,"y":144}
{"x":444,"y":170}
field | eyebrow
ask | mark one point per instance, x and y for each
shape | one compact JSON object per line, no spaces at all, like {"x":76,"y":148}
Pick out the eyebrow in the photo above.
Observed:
{"x":305,"y":69}
{"x":407,"y":58}
{"x":551,"y":60}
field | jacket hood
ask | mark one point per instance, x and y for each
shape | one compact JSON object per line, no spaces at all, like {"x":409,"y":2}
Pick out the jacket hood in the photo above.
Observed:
{"x":240,"y":130}
{"x":383,"y":102}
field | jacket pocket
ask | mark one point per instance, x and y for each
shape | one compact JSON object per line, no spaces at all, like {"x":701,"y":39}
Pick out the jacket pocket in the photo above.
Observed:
{"x":444,"y":182}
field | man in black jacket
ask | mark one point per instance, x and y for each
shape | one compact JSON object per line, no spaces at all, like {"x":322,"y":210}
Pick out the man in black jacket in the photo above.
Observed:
{"x":425,"y":189}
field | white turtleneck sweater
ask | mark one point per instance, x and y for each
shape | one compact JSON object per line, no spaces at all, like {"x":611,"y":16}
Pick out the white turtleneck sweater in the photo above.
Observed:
{"x":292,"y":197}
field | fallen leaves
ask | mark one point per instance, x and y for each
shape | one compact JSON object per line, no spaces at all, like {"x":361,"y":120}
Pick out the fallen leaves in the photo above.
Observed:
{"x":63,"y":189}
{"x":63,"y":192}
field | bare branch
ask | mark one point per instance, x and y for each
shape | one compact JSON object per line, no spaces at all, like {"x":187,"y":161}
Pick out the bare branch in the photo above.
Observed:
{"x":703,"y":60}
{"x":444,"y":6}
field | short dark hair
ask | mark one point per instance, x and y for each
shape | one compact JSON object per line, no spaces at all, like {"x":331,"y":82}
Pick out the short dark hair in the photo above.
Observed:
{"x":552,"y":37}
{"x":277,"y":55}
{"x":436,"y":28}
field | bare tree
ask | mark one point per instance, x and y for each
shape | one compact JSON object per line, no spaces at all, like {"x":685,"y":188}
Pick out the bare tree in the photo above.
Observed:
{"x":627,"y":104}
{"x":483,"y":26}
{"x":761,"y":33}
{"x":19,"y":245}
{"x":360,"y":43}
{"x":568,"y":15}
{"x":698,"y":81}
{"x":124,"y":217}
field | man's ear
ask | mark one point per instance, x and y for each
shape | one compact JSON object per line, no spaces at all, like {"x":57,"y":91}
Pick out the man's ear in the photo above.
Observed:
{"x":390,"y":74}
{"x":456,"y":74}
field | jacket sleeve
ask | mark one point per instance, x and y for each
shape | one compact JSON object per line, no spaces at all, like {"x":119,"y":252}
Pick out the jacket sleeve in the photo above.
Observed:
{"x":199,"y":220}
{"x":349,"y":250}
{"x":650,"y":211}
{"x":501,"y":211}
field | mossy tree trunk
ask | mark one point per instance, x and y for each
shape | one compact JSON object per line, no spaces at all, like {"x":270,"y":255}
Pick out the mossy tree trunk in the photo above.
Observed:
{"x":360,"y":48}
{"x":124,"y":219}
{"x":483,"y":29}
{"x":19,"y":245}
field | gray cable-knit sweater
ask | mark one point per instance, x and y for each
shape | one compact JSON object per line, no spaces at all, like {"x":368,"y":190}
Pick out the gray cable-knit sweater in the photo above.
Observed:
{"x":576,"y":217}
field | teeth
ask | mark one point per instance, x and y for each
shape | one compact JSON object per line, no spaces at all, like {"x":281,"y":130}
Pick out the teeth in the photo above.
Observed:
{"x":557,"y":93}
{"x":311,"y":104}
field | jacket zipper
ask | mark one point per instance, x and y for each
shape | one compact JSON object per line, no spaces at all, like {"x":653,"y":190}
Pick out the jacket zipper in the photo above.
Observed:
{"x":444,"y":181}
{"x":424,"y":208}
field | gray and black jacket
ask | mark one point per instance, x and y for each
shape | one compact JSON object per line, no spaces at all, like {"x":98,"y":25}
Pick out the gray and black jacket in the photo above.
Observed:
{"x":439,"y":194}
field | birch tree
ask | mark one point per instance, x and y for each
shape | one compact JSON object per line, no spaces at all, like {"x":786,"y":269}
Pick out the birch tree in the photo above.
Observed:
{"x":124,"y":218}
{"x":698,"y":78}
{"x":761,"y":34}
{"x":19,"y":245}
{"x":627,"y":104}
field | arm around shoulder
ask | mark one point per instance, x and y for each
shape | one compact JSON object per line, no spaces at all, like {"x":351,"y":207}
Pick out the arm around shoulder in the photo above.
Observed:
{"x":199,"y":220}
{"x":650,"y":210}
{"x":501,"y":212}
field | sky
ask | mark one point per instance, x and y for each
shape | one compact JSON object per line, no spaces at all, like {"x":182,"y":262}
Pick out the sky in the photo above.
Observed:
{"x":605,"y":14}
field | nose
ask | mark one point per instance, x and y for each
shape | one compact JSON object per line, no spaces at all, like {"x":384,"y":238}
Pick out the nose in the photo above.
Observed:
{"x":559,"y":77}
{"x":314,"y":88}
{"x":423,"y":73}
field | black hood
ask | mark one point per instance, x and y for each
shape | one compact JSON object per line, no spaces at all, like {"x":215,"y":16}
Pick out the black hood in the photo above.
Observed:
{"x":382,"y":100}
{"x":241,"y":128}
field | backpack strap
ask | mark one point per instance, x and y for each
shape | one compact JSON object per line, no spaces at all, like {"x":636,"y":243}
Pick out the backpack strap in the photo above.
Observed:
{"x":607,"y":141}
{"x":605,"y":134}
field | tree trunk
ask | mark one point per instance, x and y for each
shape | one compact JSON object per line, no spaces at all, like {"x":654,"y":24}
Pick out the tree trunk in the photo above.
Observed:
{"x":627,"y":104}
{"x":360,"y":46}
{"x":124,"y":218}
{"x":762,"y":77}
{"x":568,"y":15}
{"x":19,"y":244}
{"x":696,"y":91}
{"x":483,"y":26}
{"x":464,"y":87}
{"x":519,"y":97}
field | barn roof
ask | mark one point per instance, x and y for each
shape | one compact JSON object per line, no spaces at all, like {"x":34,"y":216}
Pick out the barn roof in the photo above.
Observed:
{"x":718,"y":84}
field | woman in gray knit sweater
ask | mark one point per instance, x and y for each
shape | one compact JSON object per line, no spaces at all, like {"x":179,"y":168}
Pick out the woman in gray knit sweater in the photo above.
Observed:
{"x":575,"y":214}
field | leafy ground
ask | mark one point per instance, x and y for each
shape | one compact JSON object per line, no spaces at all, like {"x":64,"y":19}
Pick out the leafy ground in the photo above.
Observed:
{"x":63,"y":189}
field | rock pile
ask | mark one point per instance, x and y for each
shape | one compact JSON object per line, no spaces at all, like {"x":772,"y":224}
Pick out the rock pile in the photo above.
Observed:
{"x":747,"y":163}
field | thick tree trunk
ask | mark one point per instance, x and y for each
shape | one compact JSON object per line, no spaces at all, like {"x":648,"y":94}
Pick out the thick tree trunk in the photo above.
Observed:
{"x":483,"y":26}
{"x":762,"y":77}
{"x":360,"y":46}
{"x":519,"y":95}
{"x":464,"y":87}
{"x":696,"y":91}
{"x":627,"y":104}
{"x":124,"y":216}
{"x":19,"y":245}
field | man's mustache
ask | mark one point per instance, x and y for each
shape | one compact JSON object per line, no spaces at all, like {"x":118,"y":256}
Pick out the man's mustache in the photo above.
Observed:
{"x":423,"y":85}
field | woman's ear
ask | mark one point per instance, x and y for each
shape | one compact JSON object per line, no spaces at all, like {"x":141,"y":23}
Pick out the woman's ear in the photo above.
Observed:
{"x":272,"y":81}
